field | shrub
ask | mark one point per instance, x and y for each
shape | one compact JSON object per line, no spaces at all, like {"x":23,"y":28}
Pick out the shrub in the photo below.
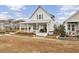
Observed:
{"x":60,"y":30}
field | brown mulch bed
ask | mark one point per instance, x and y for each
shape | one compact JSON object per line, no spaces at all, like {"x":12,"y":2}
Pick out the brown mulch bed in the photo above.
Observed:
{"x":25,"y":33}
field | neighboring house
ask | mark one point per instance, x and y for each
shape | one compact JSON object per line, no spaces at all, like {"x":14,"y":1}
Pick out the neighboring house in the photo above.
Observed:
{"x":40,"y":23}
{"x":5,"y":25}
{"x":16,"y":24}
{"x":9,"y":25}
{"x":72,"y":24}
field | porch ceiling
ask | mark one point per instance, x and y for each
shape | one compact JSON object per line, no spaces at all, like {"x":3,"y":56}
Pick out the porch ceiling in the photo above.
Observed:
{"x":42,"y":21}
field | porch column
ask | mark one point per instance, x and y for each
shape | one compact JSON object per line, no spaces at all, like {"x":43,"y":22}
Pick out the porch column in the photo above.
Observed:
{"x":37,"y":28}
{"x":66,"y":27}
{"x":20,"y":27}
{"x":47,"y":28}
{"x":78,"y":26}
{"x":27,"y":28}
{"x":70,"y":28}
{"x":24,"y":27}
{"x":78,"y":29}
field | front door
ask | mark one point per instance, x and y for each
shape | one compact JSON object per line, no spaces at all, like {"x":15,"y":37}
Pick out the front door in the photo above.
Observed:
{"x":43,"y":28}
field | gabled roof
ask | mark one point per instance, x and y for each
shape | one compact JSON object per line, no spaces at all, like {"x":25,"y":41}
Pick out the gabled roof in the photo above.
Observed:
{"x":44,"y":11}
{"x":74,"y":17}
{"x":18,"y":21}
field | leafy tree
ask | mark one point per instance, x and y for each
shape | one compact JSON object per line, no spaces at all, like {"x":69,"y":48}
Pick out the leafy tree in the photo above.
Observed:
{"x":60,"y":30}
{"x":56,"y":30}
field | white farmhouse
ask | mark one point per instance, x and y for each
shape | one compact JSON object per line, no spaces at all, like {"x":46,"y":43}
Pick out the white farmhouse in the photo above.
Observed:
{"x":40,"y":23}
{"x":72,"y":24}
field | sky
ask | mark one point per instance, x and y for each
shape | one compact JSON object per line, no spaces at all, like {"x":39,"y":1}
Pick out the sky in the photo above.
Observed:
{"x":61,"y":12}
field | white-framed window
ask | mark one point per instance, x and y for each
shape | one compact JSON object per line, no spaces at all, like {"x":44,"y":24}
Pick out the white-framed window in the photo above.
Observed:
{"x":68,"y":26}
{"x":37,"y":16}
{"x":73,"y":27}
{"x":40,"y":16}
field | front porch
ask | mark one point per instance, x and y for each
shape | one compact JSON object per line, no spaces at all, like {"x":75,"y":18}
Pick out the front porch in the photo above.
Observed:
{"x":39,"y":29}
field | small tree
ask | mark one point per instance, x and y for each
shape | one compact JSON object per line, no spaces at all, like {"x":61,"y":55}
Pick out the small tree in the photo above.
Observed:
{"x":62,"y":31}
{"x":56,"y":30}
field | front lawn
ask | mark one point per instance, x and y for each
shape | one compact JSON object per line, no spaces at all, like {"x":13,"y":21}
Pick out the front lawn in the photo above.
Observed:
{"x":29,"y":44}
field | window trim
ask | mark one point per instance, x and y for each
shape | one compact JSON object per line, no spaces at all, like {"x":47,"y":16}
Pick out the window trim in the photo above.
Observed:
{"x":69,"y":27}
{"x":73,"y":27}
{"x":40,"y":16}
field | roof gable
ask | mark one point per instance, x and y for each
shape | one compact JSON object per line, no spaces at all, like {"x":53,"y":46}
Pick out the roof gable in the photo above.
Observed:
{"x":50,"y":15}
{"x":74,"y":17}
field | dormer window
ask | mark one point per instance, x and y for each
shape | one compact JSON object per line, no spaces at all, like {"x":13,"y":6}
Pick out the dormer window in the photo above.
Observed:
{"x":40,"y":16}
{"x":51,"y":17}
{"x":37,"y":16}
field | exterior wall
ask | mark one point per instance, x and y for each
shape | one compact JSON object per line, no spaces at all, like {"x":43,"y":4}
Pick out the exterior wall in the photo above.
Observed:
{"x":50,"y":27}
{"x":6,"y":26}
{"x":42,"y":12}
{"x":26,"y":27}
{"x":31,"y":28}
{"x":2,"y":26}
{"x":46,"y":17}
{"x":66,"y":27}
{"x":71,"y":32}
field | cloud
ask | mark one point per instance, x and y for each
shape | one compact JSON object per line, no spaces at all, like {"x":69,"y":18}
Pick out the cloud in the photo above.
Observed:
{"x":18,"y":14}
{"x":4,"y":12}
{"x":22,"y":18}
{"x":15,"y":7}
{"x":4,"y":16}
{"x":67,"y":8}
{"x":66,"y":11}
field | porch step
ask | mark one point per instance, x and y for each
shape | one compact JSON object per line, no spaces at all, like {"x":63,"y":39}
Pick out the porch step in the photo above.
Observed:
{"x":41,"y":34}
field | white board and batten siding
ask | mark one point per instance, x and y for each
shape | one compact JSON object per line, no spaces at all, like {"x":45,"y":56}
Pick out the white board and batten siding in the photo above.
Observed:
{"x":46,"y":17}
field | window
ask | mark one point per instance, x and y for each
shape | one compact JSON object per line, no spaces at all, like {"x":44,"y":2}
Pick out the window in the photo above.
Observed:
{"x":37,"y":16}
{"x":68,"y":27}
{"x":34,"y":26}
{"x":40,"y":16}
{"x":73,"y":27}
